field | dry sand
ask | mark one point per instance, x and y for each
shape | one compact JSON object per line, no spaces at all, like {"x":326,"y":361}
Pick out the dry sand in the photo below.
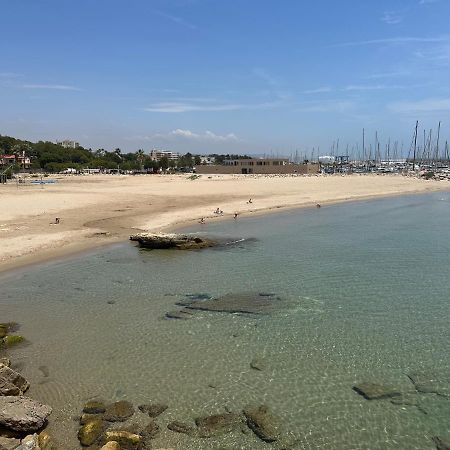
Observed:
{"x":101,"y":209}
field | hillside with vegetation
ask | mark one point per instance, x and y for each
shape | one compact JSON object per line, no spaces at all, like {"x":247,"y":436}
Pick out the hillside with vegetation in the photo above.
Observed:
{"x":51,"y":157}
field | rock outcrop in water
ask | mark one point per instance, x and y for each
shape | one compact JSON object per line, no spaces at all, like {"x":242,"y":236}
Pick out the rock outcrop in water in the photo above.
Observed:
{"x":172,"y":241}
{"x":22,"y":413}
{"x":245,"y":303}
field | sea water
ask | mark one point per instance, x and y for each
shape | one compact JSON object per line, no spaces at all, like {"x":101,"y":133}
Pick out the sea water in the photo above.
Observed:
{"x":368,"y":285}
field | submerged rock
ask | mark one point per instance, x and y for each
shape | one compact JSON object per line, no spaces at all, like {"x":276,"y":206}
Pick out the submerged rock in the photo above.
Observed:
{"x":150,"y":431}
{"x":374,"y":391}
{"x":218,"y":424}
{"x":125,"y":439}
{"x":180,"y":427}
{"x":261,"y":421}
{"x":11,"y":382}
{"x":119,"y":411}
{"x":94,"y":407}
{"x":199,"y":296}
{"x":441,"y":443}
{"x":45,"y":441}
{"x":153,"y":409}
{"x":431,"y":383}
{"x":244,"y":303}
{"x":13,"y":339}
{"x":172,"y":241}
{"x":111,"y":445}
{"x":408,"y":400}
{"x":85,"y":418}
{"x":91,"y":432}
{"x":7,"y":328}
{"x":258,"y":364}
{"x":23,"y":413}
{"x":183,"y":314}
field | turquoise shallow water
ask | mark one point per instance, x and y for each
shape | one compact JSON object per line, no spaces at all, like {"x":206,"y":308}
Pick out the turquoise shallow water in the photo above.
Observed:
{"x":369,"y":290}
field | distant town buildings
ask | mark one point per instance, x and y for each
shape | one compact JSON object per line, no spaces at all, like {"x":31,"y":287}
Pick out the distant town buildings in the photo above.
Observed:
{"x":21,"y":160}
{"x":258,"y":166}
{"x":207,"y":160}
{"x":68,"y":144}
{"x":157,"y":155}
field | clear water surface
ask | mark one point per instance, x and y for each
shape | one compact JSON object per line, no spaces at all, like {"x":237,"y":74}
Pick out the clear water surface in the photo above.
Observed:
{"x":369,"y":284}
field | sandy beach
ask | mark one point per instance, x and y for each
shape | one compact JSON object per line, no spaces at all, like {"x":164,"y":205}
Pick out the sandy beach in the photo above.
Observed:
{"x":101,"y":209}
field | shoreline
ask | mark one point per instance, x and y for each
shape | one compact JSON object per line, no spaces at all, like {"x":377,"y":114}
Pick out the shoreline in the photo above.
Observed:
{"x":106,"y":230}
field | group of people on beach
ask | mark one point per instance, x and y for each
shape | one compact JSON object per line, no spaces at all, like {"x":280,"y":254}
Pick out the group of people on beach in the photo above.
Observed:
{"x":219,"y":212}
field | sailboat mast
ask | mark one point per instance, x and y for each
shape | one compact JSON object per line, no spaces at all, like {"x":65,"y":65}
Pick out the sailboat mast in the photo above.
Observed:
{"x":415,"y":145}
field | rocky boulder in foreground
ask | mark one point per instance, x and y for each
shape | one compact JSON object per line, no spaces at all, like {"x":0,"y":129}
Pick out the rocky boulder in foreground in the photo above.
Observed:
{"x":11,"y":382}
{"x":172,"y":241}
{"x":23,"y":413}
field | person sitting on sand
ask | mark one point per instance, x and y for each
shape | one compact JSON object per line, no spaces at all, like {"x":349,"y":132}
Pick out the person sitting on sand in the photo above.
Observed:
{"x":235,"y":215}
{"x":250,"y":201}
{"x":57,"y":220}
{"x":217,"y":211}
{"x":202,"y":220}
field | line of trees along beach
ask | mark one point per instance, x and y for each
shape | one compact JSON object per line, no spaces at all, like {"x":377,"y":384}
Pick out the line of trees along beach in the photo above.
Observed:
{"x":52,"y":157}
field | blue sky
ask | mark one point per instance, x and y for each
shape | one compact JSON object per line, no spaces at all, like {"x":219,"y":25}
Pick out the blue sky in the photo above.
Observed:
{"x":206,"y":76}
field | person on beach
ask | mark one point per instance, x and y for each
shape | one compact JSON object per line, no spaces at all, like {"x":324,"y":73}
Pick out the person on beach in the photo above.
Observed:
{"x":57,"y":220}
{"x":250,"y":201}
{"x":235,"y":215}
{"x":202,"y":220}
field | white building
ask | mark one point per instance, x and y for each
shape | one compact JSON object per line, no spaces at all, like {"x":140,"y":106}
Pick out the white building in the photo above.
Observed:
{"x":207,"y":160}
{"x":157,"y":155}
{"x":68,"y":144}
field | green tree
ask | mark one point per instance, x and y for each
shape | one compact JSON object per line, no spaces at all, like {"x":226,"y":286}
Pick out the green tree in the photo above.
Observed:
{"x":164,"y":163}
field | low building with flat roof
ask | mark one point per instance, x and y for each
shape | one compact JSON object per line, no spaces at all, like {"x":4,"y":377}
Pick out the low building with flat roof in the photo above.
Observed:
{"x":258,"y":166}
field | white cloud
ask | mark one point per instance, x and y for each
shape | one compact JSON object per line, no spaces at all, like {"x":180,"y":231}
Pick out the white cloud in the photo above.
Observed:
{"x":391,"y":18}
{"x":58,"y":87}
{"x":9,"y":75}
{"x":176,"y":19}
{"x":388,"y":74}
{"x":204,"y":106}
{"x":208,"y":136}
{"x":181,"y":107}
{"x":375,"y":87}
{"x":334,"y":106}
{"x":319,"y":90}
{"x":428,"y":105}
{"x":396,"y":40}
